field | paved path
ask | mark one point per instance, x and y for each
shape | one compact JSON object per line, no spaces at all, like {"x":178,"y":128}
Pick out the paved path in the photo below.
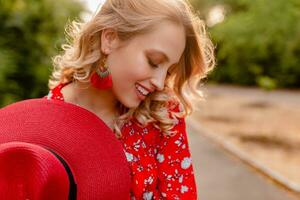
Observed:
{"x":221,"y":176}
{"x":291,"y":97}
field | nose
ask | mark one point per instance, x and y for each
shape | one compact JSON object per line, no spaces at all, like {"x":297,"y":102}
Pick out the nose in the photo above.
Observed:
{"x":158,"y":80}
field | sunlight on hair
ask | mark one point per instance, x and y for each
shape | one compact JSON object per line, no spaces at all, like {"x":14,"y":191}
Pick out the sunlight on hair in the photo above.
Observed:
{"x":92,"y":6}
{"x":216,"y":15}
{"x":131,"y":18}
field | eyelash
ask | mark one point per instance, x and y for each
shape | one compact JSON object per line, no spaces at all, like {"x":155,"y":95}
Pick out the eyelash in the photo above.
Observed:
{"x":156,"y":66}
{"x":152,"y":64}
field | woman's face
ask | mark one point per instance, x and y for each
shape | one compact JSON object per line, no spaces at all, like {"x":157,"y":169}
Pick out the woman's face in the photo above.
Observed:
{"x":140,"y":66}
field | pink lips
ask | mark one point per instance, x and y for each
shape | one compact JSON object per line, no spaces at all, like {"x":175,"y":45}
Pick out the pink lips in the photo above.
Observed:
{"x":141,"y":96}
{"x":149,"y":90}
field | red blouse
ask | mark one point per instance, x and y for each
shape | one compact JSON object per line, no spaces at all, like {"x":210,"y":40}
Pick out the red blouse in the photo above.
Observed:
{"x":161,"y":166}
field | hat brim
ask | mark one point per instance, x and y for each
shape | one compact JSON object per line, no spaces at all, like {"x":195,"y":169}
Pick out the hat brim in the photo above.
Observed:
{"x":91,"y":149}
{"x":30,"y":171}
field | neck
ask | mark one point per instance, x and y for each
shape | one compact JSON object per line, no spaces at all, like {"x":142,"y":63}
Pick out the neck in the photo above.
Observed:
{"x":100,"y":102}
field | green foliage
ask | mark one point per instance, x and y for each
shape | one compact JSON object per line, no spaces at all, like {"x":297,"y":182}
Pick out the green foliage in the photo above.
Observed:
{"x":31,"y":32}
{"x":266,"y":82}
{"x":258,"y":43}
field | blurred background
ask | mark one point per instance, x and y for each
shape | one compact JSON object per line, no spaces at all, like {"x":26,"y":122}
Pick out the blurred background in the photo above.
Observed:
{"x":257,"y":42}
{"x":252,"y":96}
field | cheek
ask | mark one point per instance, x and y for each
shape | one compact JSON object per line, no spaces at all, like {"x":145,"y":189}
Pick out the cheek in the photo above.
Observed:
{"x":128,"y":70}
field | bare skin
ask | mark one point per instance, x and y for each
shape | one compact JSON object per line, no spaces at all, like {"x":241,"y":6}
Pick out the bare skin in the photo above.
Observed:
{"x":86,"y":96}
{"x":144,"y":60}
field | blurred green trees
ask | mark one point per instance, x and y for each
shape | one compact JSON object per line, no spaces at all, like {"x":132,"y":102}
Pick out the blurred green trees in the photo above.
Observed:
{"x":258,"y":43}
{"x":31,"y":32}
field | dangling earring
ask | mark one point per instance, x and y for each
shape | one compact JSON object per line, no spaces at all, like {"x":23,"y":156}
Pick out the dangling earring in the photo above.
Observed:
{"x":101,"y":78}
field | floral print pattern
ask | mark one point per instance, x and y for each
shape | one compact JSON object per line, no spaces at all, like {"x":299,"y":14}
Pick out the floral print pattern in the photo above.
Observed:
{"x":161,"y":166}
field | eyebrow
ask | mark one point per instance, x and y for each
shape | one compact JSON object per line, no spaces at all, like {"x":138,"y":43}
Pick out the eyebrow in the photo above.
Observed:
{"x":154,"y":51}
{"x":165,"y":57}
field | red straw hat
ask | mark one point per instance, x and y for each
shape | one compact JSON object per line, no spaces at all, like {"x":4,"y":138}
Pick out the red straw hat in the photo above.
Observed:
{"x":95,"y":158}
{"x":29,"y":171}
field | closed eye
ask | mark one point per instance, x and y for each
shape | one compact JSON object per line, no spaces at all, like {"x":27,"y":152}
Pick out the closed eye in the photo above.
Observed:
{"x":169,"y":72}
{"x":152,"y":64}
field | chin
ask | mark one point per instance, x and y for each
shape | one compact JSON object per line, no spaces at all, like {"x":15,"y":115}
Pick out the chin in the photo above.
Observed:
{"x":130,"y":103}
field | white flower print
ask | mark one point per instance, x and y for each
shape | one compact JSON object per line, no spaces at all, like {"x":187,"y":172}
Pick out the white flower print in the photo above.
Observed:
{"x":147,"y":195}
{"x":49,"y":95}
{"x":160,"y":157}
{"x":186,"y":163}
{"x":151,"y":152}
{"x":132,"y":197}
{"x":145,"y":131}
{"x":173,"y":162}
{"x":148,"y":181}
{"x":180,"y":179}
{"x":176,"y":175}
{"x":140,"y":168}
{"x":179,"y":141}
{"x":137,"y":145}
{"x":131,"y":132}
{"x":169,"y":177}
{"x":163,"y":194}
{"x":144,"y":145}
{"x":184,"y":189}
{"x":129,"y":157}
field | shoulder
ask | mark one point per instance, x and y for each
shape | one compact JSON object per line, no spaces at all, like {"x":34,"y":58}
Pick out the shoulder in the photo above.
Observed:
{"x":175,"y":119}
{"x":172,"y":105}
{"x":170,"y":118}
{"x":55,"y":93}
{"x":175,"y":111}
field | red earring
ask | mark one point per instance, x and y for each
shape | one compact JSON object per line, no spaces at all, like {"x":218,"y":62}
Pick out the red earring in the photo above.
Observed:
{"x":101,"y":78}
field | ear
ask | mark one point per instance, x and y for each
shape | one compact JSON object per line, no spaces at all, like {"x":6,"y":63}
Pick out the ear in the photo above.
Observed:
{"x":109,"y":40}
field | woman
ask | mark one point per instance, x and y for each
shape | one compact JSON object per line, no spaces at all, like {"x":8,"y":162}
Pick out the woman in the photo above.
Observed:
{"x":131,"y":65}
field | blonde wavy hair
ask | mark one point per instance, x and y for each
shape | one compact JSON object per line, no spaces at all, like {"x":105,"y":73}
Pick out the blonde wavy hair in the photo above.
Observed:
{"x":130,"y":18}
